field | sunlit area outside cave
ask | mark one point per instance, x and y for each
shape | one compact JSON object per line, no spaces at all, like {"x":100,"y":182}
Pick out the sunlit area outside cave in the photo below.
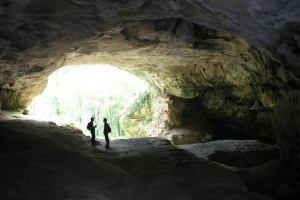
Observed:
{"x":74,"y":94}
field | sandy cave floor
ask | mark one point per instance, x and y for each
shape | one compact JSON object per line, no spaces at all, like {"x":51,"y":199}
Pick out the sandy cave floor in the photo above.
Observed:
{"x":40,"y":160}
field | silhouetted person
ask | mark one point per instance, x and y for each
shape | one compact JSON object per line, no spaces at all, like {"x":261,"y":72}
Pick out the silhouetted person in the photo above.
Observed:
{"x":106,"y":130}
{"x":92,"y":127}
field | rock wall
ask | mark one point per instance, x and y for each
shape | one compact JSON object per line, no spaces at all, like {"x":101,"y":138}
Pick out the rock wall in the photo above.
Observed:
{"x":279,"y":178}
{"x":286,"y":124}
{"x":236,"y":83}
{"x":237,"y":58}
{"x":238,"y":62}
{"x":37,"y":37}
{"x":179,"y":120}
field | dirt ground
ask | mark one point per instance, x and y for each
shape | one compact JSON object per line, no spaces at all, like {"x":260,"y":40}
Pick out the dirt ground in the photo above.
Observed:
{"x":41,"y":160}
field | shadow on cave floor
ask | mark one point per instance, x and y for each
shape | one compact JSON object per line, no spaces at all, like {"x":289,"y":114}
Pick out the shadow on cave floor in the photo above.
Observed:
{"x":244,"y":160}
{"x":234,"y":154}
{"x":40,"y":160}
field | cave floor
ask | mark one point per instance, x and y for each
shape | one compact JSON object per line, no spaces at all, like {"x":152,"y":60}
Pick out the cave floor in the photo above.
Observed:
{"x":40,"y":160}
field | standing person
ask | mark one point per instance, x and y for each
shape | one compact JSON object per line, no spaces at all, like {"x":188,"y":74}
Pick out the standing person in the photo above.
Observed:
{"x":92,"y":127}
{"x":106,"y":130}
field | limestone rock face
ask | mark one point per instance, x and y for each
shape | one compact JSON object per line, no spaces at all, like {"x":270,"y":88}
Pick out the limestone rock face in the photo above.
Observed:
{"x":281,"y":175}
{"x":40,"y":160}
{"x":237,"y":57}
{"x":180,"y":121}
{"x":224,"y":62}
{"x":234,"y":154}
{"x":286,"y":124}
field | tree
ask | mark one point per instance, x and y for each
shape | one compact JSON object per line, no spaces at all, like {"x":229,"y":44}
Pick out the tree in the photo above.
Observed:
{"x":56,"y":106}
{"x":79,"y":106}
{"x":99,"y":94}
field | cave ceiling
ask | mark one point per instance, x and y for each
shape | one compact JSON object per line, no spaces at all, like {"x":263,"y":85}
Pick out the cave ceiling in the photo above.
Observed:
{"x":244,"y":53}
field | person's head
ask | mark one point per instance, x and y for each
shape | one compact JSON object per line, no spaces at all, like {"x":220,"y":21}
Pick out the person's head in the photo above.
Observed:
{"x":104,"y":120}
{"x":92,"y":119}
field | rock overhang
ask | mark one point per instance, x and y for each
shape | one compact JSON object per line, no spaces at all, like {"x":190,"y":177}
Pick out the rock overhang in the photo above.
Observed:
{"x":233,"y":58}
{"x":238,"y":57}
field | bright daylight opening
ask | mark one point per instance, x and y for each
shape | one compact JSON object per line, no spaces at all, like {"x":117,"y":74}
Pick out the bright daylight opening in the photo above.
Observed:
{"x":74,"y":94}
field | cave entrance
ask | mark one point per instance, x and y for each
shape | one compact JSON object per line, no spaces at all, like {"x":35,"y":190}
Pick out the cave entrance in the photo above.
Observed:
{"x":74,"y":94}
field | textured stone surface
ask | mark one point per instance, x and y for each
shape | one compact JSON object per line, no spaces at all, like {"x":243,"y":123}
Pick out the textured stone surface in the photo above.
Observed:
{"x":286,"y":124}
{"x":180,"y":121}
{"x":37,"y":37}
{"x":235,"y":57}
{"x":235,"y":153}
{"x":281,"y":175}
{"x":46,"y":161}
{"x":232,"y":58}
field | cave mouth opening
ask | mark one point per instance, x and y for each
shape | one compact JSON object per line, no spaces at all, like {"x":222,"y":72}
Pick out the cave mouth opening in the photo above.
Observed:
{"x":76,"y":93}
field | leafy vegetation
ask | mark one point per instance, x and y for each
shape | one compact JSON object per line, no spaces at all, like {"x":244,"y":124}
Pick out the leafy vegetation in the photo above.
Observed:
{"x":139,"y":115}
{"x":74,"y":94}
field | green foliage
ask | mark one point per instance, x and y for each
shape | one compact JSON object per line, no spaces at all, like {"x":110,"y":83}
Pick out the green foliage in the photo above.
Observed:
{"x":112,"y":113}
{"x":142,"y":105}
{"x":139,"y":115}
{"x":74,"y":94}
{"x":132,"y":127}
{"x":56,"y":106}
{"x":70,"y":125}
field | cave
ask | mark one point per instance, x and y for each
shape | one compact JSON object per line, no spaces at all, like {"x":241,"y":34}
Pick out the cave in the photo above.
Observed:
{"x":219,"y":71}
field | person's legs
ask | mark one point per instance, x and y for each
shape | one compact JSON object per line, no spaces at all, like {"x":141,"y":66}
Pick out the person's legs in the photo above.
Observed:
{"x":93,"y":139}
{"x":107,"y":140}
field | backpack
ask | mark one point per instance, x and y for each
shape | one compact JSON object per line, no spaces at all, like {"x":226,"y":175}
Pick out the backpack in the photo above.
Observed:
{"x":89,"y":126}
